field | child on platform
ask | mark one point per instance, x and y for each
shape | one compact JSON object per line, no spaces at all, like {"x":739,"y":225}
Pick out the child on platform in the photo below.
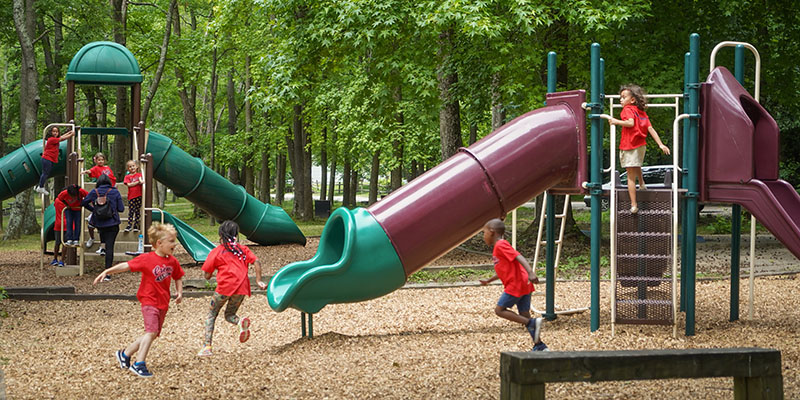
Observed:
{"x":100,"y":168}
{"x":71,"y":197}
{"x":230,"y":259}
{"x":632,"y":143}
{"x":518,"y":278}
{"x":158,"y":268}
{"x":134,"y":183}
{"x":50,"y":155}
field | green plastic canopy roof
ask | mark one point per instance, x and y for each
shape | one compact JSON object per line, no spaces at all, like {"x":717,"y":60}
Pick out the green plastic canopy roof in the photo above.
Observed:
{"x":104,"y":63}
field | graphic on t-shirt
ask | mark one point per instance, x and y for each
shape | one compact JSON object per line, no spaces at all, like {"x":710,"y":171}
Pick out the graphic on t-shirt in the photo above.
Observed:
{"x":162,"y":272}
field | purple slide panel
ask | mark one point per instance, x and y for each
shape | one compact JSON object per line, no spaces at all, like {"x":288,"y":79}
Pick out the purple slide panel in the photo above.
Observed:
{"x":739,"y":158}
{"x":441,"y":208}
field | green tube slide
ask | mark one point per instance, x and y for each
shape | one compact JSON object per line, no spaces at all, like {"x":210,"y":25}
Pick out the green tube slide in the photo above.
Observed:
{"x":22,"y":168}
{"x":188,"y":177}
{"x":355,"y":262}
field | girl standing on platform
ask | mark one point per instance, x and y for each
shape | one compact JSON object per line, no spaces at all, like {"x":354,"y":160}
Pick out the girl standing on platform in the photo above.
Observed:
{"x":134,"y":183}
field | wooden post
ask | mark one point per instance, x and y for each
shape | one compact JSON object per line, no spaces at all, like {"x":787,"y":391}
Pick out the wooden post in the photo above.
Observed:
{"x":147,"y":160}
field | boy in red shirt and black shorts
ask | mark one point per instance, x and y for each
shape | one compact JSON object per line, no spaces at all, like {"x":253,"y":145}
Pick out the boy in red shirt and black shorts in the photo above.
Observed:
{"x":158,"y":268}
{"x":518,"y":278}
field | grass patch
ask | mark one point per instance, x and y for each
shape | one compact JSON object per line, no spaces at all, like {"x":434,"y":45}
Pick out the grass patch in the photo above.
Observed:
{"x":450,"y":275}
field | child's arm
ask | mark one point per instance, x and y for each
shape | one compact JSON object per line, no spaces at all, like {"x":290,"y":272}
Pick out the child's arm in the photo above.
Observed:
{"x":178,"y":291}
{"x":531,"y":274}
{"x":122,"y":267}
{"x":257,"y":266}
{"x":485,"y":282}
{"x":655,"y":136}
{"x":628,"y":123}
{"x":207,"y":275}
{"x":66,"y":136}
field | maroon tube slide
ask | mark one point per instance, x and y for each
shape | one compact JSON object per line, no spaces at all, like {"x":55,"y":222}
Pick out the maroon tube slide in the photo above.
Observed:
{"x":739,"y":158}
{"x":441,"y":208}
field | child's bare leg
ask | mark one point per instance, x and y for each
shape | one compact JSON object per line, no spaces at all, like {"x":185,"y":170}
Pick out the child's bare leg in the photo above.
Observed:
{"x":141,"y":346}
{"x":505,"y":313}
{"x":633,"y":173}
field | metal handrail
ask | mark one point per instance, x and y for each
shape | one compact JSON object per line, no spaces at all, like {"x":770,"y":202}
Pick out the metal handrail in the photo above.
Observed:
{"x":720,"y":45}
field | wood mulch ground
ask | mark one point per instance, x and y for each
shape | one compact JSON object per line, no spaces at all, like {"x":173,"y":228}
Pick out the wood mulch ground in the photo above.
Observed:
{"x":412,"y":343}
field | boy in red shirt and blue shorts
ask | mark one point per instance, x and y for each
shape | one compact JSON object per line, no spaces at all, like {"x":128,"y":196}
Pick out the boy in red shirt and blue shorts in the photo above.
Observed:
{"x":518,"y":278}
{"x":158,"y":268}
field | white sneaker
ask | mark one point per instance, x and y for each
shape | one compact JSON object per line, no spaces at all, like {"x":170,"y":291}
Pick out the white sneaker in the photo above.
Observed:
{"x":89,"y":243}
{"x":41,"y":190}
{"x":101,"y":251}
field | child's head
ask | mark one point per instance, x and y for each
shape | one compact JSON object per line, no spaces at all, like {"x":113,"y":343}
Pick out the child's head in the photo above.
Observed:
{"x":493,"y":231}
{"x":54,"y":132}
{"x":103,"y":180}
{"x":99,"y":159}
{"x":72,"y":190}
{"x":228,"y":230}
{"x":633,"y":94}
{"x":132,"y":166}
{"x":162,"y":237}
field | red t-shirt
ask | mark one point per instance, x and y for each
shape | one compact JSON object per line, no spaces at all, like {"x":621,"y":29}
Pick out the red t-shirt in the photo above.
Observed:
{"x":509,"y":270}
{"x":133,"y":191}
{"x":73,"y":203}
{"x":231,"y":271}
{"x":157,"y":274}
{"x":57,"y":225}
{"x":97,"y":170}
{"x":635,"y":136}
{"x":51,"y":149}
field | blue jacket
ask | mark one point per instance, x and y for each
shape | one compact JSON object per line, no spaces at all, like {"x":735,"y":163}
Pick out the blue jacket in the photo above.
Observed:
{"x":113,"y":197}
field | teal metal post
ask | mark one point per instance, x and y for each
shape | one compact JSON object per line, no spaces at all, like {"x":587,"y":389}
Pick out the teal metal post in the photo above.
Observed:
{"x":684,"y":178}
{"x":692,"y":193}
{"x":595,"y":185}
{"x":736,"y":210}
{"x":550,"y":252}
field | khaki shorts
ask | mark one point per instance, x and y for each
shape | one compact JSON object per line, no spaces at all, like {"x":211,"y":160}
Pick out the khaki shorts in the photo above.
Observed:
{"x":632,"y":158}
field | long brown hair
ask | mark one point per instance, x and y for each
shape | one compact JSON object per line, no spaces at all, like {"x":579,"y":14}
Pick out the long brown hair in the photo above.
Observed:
{"x":638,"y":94}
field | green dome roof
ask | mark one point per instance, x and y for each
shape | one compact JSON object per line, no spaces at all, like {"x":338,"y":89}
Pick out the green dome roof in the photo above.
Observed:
{"x":104,"y":63}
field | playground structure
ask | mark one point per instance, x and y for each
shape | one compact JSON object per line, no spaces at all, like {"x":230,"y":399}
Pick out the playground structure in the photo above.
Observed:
{"x":108,"y":63}
{"x":367,"y":253}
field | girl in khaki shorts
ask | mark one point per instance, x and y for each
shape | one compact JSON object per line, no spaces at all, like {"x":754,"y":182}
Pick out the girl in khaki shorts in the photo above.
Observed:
{"x":632,"y":145}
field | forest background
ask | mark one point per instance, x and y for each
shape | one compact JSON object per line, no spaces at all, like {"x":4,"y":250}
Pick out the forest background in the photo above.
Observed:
{"x":374,"y":91}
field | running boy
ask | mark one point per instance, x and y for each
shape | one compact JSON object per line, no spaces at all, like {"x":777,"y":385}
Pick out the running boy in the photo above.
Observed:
{"x":158,"y":268}
{"x":231,"y":260}
{"x":518,"y":279}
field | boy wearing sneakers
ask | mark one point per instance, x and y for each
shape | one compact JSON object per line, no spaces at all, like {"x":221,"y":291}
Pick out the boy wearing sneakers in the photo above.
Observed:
{"x":518,"y":278}
{"x":158,"y":268}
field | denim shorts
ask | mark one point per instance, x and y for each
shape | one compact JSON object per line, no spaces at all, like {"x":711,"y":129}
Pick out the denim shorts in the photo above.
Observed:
{"x":523,"y":303}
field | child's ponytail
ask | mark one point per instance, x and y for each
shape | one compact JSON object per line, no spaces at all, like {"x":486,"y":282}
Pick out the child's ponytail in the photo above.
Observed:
{"x":228,"y":231}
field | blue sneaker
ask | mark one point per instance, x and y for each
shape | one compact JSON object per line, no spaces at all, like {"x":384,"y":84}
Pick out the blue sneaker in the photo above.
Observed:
{"x":124,"y":361}
{"x":54,"y":263}
{"x":535,"y":328}
{"x":140,"y":369}
{"x":540,"y":347}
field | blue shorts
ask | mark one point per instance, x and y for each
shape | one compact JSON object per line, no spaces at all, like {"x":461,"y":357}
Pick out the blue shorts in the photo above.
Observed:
{"x":523,"y":303}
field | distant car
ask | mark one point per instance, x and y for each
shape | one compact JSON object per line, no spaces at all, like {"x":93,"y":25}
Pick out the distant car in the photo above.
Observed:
{"x":654,"y":176}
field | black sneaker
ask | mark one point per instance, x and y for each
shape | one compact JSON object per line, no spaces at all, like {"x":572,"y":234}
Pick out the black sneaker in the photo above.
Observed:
{"x":141,"y":370}
{"x":124,"y":361}
{"x":107,"y":278}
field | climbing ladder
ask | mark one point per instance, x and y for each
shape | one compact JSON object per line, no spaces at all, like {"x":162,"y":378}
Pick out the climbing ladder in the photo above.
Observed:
{"x":558,"y":242}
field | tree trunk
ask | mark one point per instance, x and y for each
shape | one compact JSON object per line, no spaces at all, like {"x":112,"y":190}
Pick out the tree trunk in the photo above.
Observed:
{"x":346,"y":181}
{"x":323,"y":164}
{"x":280,"y":178}
{"x":188,"y":98}
{"x":2,"y":139}
{"x":247,"y":169}
{"x":22,"y":220}
{"x":396,"y":175}
{"x":373,"y":177}
{"x":122,"y":148}
{"x":498,"y":110}
{"x":300,"y":158}
{"x":210,"y":124}
{"x":473,"y":133}
{"x":102,"y":141}
{"x":233,"y":170}
{"x":162,"y":60}
{"x":449,"y":114}
{"x":354,"y":186}
{"x":332,"y":184}
{"x":161,"y":194}
{"x":91,"y":107}
{"x":264,"y":181}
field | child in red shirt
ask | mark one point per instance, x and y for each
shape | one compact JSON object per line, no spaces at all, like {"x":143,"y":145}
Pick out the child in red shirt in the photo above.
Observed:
{"x":71,"y":197}
{"x":158,"y":268}
{"x":134,"y":183}
{"x":632,"y":143}
{"x":518,"y":278}
{"x":100,"y":168}
{"x":50,"y":155}
{"x":58,"y":228}
{"x":231,"y":260}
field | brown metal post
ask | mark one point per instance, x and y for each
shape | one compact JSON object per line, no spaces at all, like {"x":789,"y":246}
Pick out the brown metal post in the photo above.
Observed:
{"x":147,"y":160}
{"x":70,"y":100}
